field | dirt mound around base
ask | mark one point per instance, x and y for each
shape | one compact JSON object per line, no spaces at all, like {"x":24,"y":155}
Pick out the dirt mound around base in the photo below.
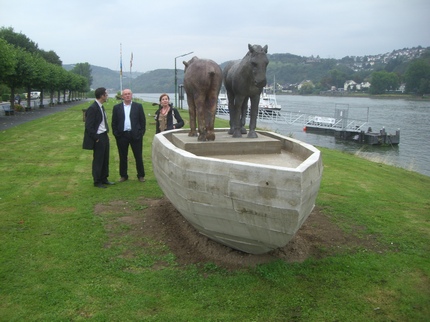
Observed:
{"x":159,"y":220}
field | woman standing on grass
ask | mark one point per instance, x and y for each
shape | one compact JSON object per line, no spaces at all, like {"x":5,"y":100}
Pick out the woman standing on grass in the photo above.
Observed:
{"x":167,"y":117}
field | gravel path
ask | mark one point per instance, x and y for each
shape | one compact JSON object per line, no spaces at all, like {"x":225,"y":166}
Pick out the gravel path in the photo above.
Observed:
{"x":8,"y":121}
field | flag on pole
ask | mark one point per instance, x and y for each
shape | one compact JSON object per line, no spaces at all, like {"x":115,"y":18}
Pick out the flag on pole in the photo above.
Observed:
{"x":131,"y":60}
{"x":120,"y":67}
{"x":120,"y":61}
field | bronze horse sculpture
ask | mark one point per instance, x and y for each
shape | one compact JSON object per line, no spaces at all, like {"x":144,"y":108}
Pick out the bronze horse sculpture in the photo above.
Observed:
{"x":202,"y":83}
{"x":244,"y":79}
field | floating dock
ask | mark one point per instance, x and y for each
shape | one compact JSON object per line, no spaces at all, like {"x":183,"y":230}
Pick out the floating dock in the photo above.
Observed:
{"x":341,"y":126}
{"x":344,"y":129}
{"x":359,"y":136}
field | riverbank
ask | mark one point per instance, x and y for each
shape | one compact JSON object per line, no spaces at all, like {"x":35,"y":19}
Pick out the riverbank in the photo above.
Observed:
{"x":362,"y":95}
{"x":411,"y":117}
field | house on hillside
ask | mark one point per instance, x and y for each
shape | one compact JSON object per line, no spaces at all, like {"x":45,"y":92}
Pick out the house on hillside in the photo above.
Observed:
{"x":363,"y":86}
{"x":305,"y":82}
{"x":349,"y":85}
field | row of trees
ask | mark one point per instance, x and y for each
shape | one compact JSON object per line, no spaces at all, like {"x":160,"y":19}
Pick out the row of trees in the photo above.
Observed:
{"x":25,"y":68}
{"x":416,"y":79}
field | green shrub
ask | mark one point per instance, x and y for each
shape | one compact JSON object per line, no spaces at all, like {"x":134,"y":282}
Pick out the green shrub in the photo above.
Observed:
{"x":5,"y":97}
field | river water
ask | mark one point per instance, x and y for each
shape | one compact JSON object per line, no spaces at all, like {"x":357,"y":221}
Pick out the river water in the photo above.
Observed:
{"x":411,"y":117}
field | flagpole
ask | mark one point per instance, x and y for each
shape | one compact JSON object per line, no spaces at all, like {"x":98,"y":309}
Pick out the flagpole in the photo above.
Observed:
{"x":120,"y":67}
{"x":131,"y":64}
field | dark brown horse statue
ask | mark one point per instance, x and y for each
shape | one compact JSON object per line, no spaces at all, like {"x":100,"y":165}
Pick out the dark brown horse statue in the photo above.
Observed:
{"x":244,"y":79}
{"x":202,"y":83}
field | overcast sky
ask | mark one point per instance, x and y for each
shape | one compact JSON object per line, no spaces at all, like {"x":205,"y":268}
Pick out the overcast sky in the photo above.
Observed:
{"x":157,"y":31}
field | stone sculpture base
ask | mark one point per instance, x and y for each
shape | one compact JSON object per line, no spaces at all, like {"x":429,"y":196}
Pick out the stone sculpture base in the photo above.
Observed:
{"x":250,"y":194}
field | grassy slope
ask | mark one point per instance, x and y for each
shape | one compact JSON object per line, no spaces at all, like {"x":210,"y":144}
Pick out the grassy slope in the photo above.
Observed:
{"x":55,"y":263}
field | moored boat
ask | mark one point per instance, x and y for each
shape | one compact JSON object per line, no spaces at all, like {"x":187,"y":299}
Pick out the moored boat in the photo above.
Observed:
{"x":222,"y":105}
{"x":249,"y":194}
{"x":268,"y":103}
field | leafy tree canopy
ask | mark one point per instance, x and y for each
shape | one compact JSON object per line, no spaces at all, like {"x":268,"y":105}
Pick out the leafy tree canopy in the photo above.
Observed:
{"x":417,"y":77}
{"x":84,"y":70}
{"x":51,"y":57}
{"x":383,"y":81}
{"x":18,"y":39}
{"x":7,"y":59}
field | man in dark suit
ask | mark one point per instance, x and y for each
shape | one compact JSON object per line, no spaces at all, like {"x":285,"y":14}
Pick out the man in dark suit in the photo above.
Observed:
{"x":129,"y":126}
{"x":96,"y":138}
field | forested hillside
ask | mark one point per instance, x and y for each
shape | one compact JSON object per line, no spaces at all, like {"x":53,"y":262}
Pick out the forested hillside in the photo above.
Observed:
{"x":25,"y":67}
{"x":285,"y":69}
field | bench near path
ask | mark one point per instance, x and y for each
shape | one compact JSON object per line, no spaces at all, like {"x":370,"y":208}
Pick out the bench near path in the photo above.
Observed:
{"x":8,"y":121}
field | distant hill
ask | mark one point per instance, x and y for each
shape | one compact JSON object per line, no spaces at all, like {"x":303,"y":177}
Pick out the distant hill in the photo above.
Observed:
{"x":105,"y":77}
{"x":157,"y":81}
{"x":285,"y":69}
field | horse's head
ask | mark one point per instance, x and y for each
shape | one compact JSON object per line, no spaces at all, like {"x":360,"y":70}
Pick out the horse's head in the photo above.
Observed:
{"x":259,"y":62}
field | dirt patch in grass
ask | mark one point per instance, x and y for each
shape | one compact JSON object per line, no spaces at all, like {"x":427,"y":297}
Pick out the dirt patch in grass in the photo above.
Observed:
{"x":158,"y":220}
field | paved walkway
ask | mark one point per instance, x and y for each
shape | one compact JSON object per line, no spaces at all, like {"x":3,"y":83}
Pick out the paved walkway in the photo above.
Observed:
{"x":8,"y":121}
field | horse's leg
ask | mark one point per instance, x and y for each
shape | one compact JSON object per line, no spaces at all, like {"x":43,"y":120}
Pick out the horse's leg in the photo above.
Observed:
{"x":244,"y":110}
{"x":253,"y":116}
{"x":237,"y":116}
{"x":231,"y":112}
{"x":192,"y":113}
{"x":210,"y":112}
{"x":200,"y":111}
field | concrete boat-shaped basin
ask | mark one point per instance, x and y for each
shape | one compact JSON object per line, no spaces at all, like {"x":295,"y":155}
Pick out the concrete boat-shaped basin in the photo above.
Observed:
{"x":250,"y":194}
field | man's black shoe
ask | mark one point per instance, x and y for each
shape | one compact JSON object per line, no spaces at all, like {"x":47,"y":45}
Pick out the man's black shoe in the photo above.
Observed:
{"x":99,"y":185}
{"x":108,"y":182}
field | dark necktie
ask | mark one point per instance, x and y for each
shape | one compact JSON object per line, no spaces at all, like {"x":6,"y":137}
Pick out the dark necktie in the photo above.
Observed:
{"x":105,"y":119}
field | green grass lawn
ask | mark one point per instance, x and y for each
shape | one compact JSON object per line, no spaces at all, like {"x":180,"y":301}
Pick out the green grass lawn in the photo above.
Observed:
{"x":55,"y":264}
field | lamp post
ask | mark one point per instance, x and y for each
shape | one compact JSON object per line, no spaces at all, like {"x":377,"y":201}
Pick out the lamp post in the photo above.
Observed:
{"x":176,"y":78}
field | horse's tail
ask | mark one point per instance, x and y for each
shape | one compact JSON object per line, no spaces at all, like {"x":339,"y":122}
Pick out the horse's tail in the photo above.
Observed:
{"x":213,"y":72}
{"x":215,"y":79}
